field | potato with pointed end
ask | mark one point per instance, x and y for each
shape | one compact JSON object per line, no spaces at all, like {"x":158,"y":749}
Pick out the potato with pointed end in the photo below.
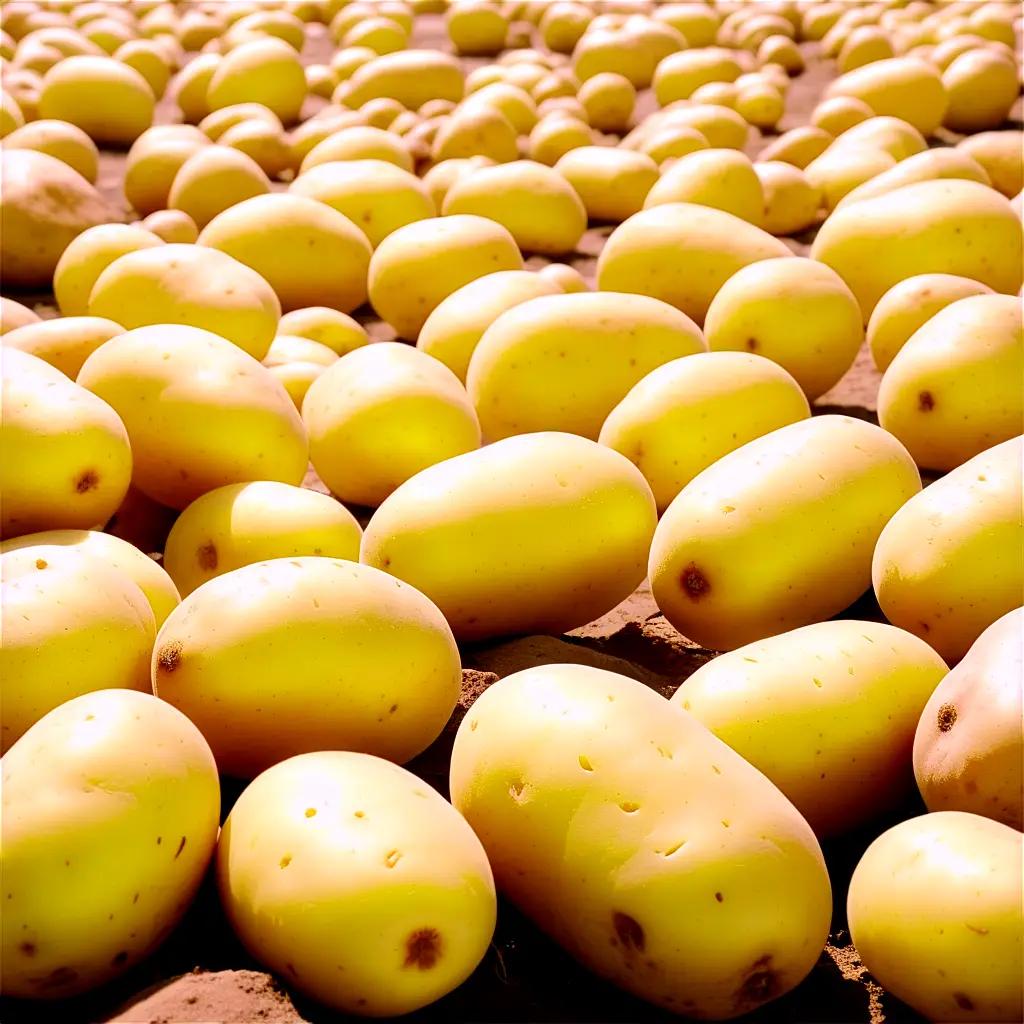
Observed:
{"x":59,"y":139}
{"x":640,"y":842}
{"x":954,"y":959}
{"x":65,"y":342}
{"x":727,"y":566}
{"x":213,"y":179}
{"x":266,"y":71}
{"x":719,"y":178}
{"x":338,"y":331}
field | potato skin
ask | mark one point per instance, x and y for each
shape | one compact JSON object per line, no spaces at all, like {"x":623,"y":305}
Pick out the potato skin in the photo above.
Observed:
{"x":958,"y":958}
{"x":536,"y":533}
{"x":357,"y":882}
{"x":654,"y":854}
{"x":110,"y":806}
{"x":828,"y":712}
{"x":729,"y":562}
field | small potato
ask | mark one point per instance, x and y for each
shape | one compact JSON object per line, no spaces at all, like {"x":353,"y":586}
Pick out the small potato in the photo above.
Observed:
{"x":361,"y":878}
{"x":958,"y":958}
{"x":727,"y":566}
{"x":563,"y":362}
{"x":59,"y":139}
{"x":680,"y":75}
{"x":791,"y":202}
{"x":686,"y":414}
{"x":1000,"y":154}
{"x":477,"y":28}
{"x":841,"y":170}
{"x":982,"y":88}
{"x":14,"y":315}
{"x":609,"y":99}
{"x":475,"y":130}
{"x":798,"y":146}
{"x":892,"y":135}
{"x":837,"y":114}
{"x":264,"y":143}
{"x":568,"y":279}
{"x":440,"y":177}
{"x":828,"y":712}
{"x":720,"y":178}
{"x":172,"y":226}
{"x":266,"y":71}
{"x":146,"y":57}
{"x":864,"y":45}
{"x":153,"y":162}
{"x":794,"y":311}
{"x":189,"y":86}
{"x":538,"y":533}
{"x":761,"y":104}
{"x":338,"y":331}
{"x":412,"y":77}
{"x":953,"y":389}
{"x":360,"y":142}
{"x":65,"y":342}
{"x":613,"y":183}
{"x":213,"y":179}
{"x":722,"y":127}
{"x":219,"y":122}
{"x":941,"y":567}
{"x":287,"y":348}
{"x":556,"y":135}
{"x":515,"y":103}
{"x":672,"y":143}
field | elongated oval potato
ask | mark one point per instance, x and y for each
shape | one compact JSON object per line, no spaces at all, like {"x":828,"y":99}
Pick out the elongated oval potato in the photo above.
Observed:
{"x":64,"y":342}
{"x":200,"y":413}
{"x":110,"y":806}
{"x":958,"y":958}
{"x":410,"y":76}
{"x":640,"y":842}
{"x":537,"y":533}
{"x":828,"y":712}
{"x":563,"y":362}
{"x":357,"y":882}
{"x":954,"y":389}
{"x":969,"y":748}
{"x":931,"y":227}
{"x":945,"y":566}
{"x":730,"y":563}
{"x":931,"y":165}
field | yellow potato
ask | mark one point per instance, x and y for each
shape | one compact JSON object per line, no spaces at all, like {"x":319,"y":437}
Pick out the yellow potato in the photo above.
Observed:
{"x":982,"y":87}
{"x":380,"y":415}
{"x":556,"y":135}
{"x":562,"y":24}
{"x":722,"y":127}
{"x":864,"y":45}
{"x":420,"y":264}
{"x":893,"y":135}
{"x":908,"y":305}
{"x":719,"y":178}
{"x":148,"y":59}
{"x":11,"y":116}
{"x":61,"y":140}
{"x":680,"y":75}
{"x":200,"y":413}
{"x":266,"y":71}
{"x":296,"y":378}
{"x":798,"y":147}
{"x":14,"y":315}
{"x":944,"y":227}
{"x":412,"y":77}
{"x":969,"y":750}
{"x":217,"y":123}
{"x":475,"y":130}
{"x":286,"y":348}
{"x":514,"y":103}
{"x":477,"y":28}
{"x":839,"y":113}
{"x":941,"y":567}
{"x":382,"y":35}
{"x":339,"y":332}
{"x":729,"y":564}
{"x":265,"y":143}
{"x":791,"y":202}
{"x":794,"y":311}
{"x":190,"y":85}
{"x":828,"y":712}
{"x":842,"y":170}
{"x":192,"y":285}
{"x":568,"y":279}
{"x":954,"y":959}
{"x":153,"y":161}
{"x":381,"y":904}
{"x":672,"y":143}
{"x":360,"y":142}
{"x":634,"y":50}
{"x":641,"y":843}
{"x":171,"y":226}
{"x":65,"y":342}
{"x":953,"y":389}
{"x":697,"y":22}
{"x":686,"y":414}
{"x":213,"y":179}
{"x":781,"y":51}
{"x":761,"y":104}
{"x":1000,"y":153}
{"x":608,"y":99}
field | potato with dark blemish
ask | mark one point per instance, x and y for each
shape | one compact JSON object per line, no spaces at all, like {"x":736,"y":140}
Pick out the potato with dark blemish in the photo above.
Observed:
{"x":653,"y":853}
{"x":89,"y":792}
{"x":356,"y":882}
{"x":935,"y":913}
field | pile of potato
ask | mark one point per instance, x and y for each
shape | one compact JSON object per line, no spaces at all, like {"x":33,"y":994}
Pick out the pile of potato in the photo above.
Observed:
{"x":519,"y":459}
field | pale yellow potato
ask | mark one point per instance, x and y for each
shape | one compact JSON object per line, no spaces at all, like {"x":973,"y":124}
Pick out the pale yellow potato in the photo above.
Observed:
{"x":556,"y":135}
{"x":958,"y":958}
{"x":953,"y":389}
{"x":382,"y":35}
{"x":717,"y":93}
{"x":635,"y":50}
{"x":841,"y":170}
{"x":612,"y":183}
{"x":982,"y":87}
{"x":562,"y":24}
{"x":14,"y":315}
{"x":672,"y":143}
{"x":839,"y":113}
{"x":381,"y":904}
{"x":11,"y":116}
{"x":794,"y":311}
{"x":969,"y":749}
{"x":218,"y":122}
{"x":338,"y":331}
{"x":266,"y":71}
{"x":149,"y":60}
{"x":287,"y":348}
{"x":171,"y":226}
{"x":722,"y":127}
{"x":213,"y":179}
{"x":192,"y":285}
{"x":641,"y":843}
{"x":200,"y":413}
{"x":791,"y":202}
{"x":864,"y":45}
{"x":440,"y":177}
{"x":110,"y":805}
{"x":730,"y":564}
{"x":828,"y":712}
{"x":761,"y":104}
{"x":411,"y":76}
{"x":380,"y":415}
{"x":64,"y":342}
{"x":153,"y":162}
{"x":608,"y":99}
{"x":1002,"y":156}
{"x":381,"y":112}
{"x":477,"y":28}
{"x":719,"y":178}
{"x":932,"y":227}
{"x":475,"y":130}
{"x":680,"y":75}
{"x":568,"y":279}
{"x":359,"y":142}
{"x":264,"y":142}
{"x":686,"y":414}
{"x":58,"y":139}
{"x":908,"y":305}
{"x":893,"y":135}
{"x":538,"y":533}
{"x":781,"y":51}
{"x":697,"y":22}
{"x":943,"y":567}
{"x":515,"y":103}
{"x":563,"y":362}
{"x":296,"y":378}
{"x":420,"y":264}
{"x":798,"y":147}
{"x":190,"y":84}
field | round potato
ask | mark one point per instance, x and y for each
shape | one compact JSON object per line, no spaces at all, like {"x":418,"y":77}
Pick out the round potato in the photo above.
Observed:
{"x":59,"y":139}
{"x":440,"y":177}
{"x":613,"y":183}
{"x":475,"y":130}
{"x":719,"y":178}
{"x":982,"y":87}
{"x":568,"y":278}
{"x":153,"y":161}
{"x":841,"y":170}
{"x":791,"y":202}
{"x":338,"y":331}
{"x":213,"y":179}
{"x":189,"y":87}
{"x":266,"y":71}
{"x":1000,"y":154}
{"x":608,"y":99}
{"x":172,"y":226}
{"x":359,"y":142}
{"x":14,"y":315}
{"x":64,"y":342}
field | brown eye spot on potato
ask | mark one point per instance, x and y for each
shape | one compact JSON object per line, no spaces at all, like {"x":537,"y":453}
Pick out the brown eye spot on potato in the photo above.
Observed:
{"x":88,"y":481}
{"x":760,"y":985}
{"x":121,"y":958}
{"x":926,"y":401}
{"x":28,"y":948}
{"x":963,"y":1001}
{"x":719,"y":897}
{"x":59,"y":978}
{"x":285,"y":861}
{"x":168,"y":658}
{"x":674,"y":848}
{"x":310,"y":812}
{"x":946,"y":717}
{"x":181,"y":846}
{"x":629,"y":931}
{"x":629,"y":806}
{"x":694,"y":582}
{"x":206,"y":556}
{"x":515,"y":789}
{"x":41,"y":563}
{"x":423,"y":949}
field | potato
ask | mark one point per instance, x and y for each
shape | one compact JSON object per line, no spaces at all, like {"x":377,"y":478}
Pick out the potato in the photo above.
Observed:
{"x":761,"y":104}
{"x":828,"y":712}
{"x":412,"y":77}
{"x":892,"y":135}
{"x":908,"y":305}
{"x":562,"y":362}
{"x":391,"y":904}
{"x":719,"y":178}
{"x":287,"y":348}
{"x":153,"y":162}
{"x":686,"y":414}
{"x":794,"y":311}
{"x":698,"y":22}
{"x":568,"y":279}
{"x":192,"y":285}
{"x":58,"y":139}
{"x":723,"y":128}
{"x":608,"y":99}
{"x":14,"y":315}
{"x":728,"y":563}
{"x":420,"y":264}
{"x":65,"y":342}
{"x":982,"y":88}
{"x":635,"y":50}
{"x":839,"y":113}
{"x":266,"y":71}
{"x":200,"y":413}
{"x":360,"y":142}
{"x":515,"y":103}
{"x":797,"y":147}
{"x":189,"y":86}
{"x":953,"y":389}
{"x":265,"y":143}
{"x":539,"y":533}
{"x":339,"y":332}
{"x":213,"y":179}
{"x":791,"y":202}
{"x":675,"y":870}
{"x":477,"y":28}
{"x":556,"y":135}
{"x":171,"y":226}
{"x":454,"y":328}
{"x":1000,"y":154}
{"x":475,"y":130}
{"x":842,"y":170}
{"x":219,"y":122}
{"x":680,"y":75}
{"x":940,"y":566}
{"x":958,"y":959}
{"x":945,"y":227}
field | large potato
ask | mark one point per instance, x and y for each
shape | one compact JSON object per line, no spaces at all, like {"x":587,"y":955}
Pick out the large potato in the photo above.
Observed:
{"x":200,"y":413}
{"x":946,"y":566}
{"x":357,"y":882}
{"x":955,"y":958}
{"x":264,"y":70}
{"x":982,"y":86}
{"x":563,"y":362}
{"x":61,"y":140}
{"x":730,"y":562}
{"x":64,"y":342}
{"x":110,"y":806}
{"x":641,"y":843}
{"x":828,"y":712}
{"x":613,"y":183}
{"x":412,"y":77}
{"x":538,"y":533}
